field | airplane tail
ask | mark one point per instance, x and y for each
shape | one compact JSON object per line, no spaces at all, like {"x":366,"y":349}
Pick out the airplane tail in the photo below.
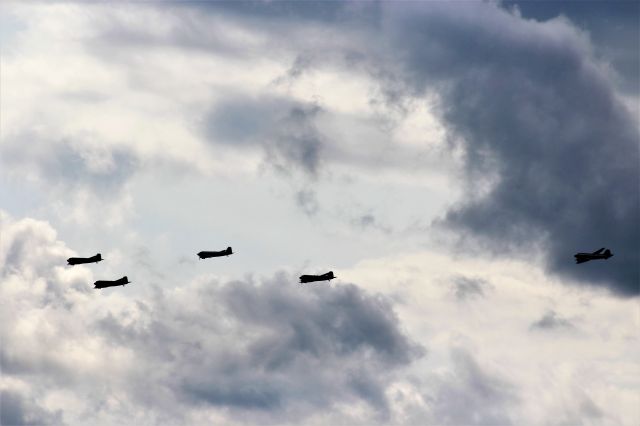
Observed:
{"x":229,"y":250}
{"x":608,"y":253}
{"x":99,"y":256}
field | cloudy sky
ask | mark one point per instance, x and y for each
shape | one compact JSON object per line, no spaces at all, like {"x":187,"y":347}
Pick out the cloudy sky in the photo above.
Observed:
{"x":445,"y":160}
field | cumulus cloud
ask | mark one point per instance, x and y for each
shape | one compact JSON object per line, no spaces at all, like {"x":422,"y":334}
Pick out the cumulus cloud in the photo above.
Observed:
{"x":550,"y":163}
{"x":267,"y":350}
{"x":541,"y":127}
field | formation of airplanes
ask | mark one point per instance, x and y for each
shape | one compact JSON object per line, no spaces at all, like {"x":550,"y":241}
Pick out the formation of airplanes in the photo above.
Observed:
{"x":602,"y":253}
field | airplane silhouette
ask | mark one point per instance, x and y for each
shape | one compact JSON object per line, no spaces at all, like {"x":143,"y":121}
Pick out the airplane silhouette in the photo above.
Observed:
{"x":312,"y":278}
{"x":598,"y":254}
{"x":208,"y":254}
{"x":79,"y":260}
{"x":109,"y":283}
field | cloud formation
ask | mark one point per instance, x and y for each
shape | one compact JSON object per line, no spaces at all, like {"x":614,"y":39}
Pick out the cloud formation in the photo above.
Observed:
{"x":551,"y":151}
{"x":268,"y":350}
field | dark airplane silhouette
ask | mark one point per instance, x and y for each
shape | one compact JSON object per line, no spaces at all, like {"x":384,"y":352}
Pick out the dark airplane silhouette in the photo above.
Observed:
{"x":108,"y":283}
{"x":207,"y":254}
{"x":79,"y":260}
{"x":598,"y":254}
{"x":312,"y":278}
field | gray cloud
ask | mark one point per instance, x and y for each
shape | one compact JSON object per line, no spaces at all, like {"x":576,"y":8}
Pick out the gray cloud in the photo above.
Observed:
{"x":68,"y":164}
{"x":552,"y":321}
{"x":533,"y":111}
{"x":469,"y":288}
{"x":551,"y":152}
{"x":295,"y":350}
{"x":16,"y":409}
{"x":307,"y":201}
{"x":612,"y":27}
{"x":472,"y":396}
{"x":284,"y":129}
{"x":264,"y":351}
{"x":369,"y":221}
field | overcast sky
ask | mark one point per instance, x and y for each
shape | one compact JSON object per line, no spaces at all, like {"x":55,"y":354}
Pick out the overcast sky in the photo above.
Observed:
{"x":444,"y":159}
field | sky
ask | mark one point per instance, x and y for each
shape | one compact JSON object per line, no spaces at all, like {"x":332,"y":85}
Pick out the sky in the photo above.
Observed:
{"x":445,"y":159}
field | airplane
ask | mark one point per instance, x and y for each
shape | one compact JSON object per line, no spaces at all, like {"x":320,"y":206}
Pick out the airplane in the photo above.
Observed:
{"x":208,"y":254}
{"x":109,"y":283}
{"x":598,"y":254}
{"x":79,"y":260}
{"x":312,"y":278}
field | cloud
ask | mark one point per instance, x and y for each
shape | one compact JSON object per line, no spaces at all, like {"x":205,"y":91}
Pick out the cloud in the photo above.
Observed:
{"x":285,"y":129}
{"x":542,"y":130}
{"x":15,"y":409}
{"x":472,"y":396}
{"x":469,"y":288}
{"x":307,"y":200}
{"x":512,"y":373}
{"x":266,"y":351}
{"x":68,"y":164}
{"x":369,"y":221}
{"x":550,"y":321}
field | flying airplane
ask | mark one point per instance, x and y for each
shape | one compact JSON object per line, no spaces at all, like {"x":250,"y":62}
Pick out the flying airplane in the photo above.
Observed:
{"x":79,"y":260}
{"x":109,"y":283}
{"x":207,"y":254}
{"x":598,"y":254}
{"x":312,"y":278}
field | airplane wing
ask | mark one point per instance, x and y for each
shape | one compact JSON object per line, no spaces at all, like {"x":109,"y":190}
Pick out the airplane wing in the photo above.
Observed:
{"x":582,"y":259}
{"x":598,"y":251}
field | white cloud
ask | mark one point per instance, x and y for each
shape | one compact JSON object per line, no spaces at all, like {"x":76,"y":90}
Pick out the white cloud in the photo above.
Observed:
{"x":108,"y":105}
{"x":103,"y":357}
{"x":554,"y":374}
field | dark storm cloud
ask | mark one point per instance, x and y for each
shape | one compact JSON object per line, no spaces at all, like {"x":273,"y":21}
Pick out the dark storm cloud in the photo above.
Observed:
{"x":16,"y":409}
{"x":295,"y":349}
{"x":533,"y":112}
{"x":551,"y":152}
{"x":612,"y":27}
{"x":283,"y":128}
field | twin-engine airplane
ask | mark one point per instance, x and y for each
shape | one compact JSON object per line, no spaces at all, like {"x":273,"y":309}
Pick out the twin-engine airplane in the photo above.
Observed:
{"x":598,"y":254}
{"x":208,"y":254}
{"x":312,"y":278}
{"x":109,"y":283}
{"x":79,"y":260}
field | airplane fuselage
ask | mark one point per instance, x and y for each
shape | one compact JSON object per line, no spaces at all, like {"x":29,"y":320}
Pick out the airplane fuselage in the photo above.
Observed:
{"x":585,"y":257}
{"x":81,"y":260}
{"x":111,"y":283}
{"x":314,"y":278}
{"x":208,"y":254}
